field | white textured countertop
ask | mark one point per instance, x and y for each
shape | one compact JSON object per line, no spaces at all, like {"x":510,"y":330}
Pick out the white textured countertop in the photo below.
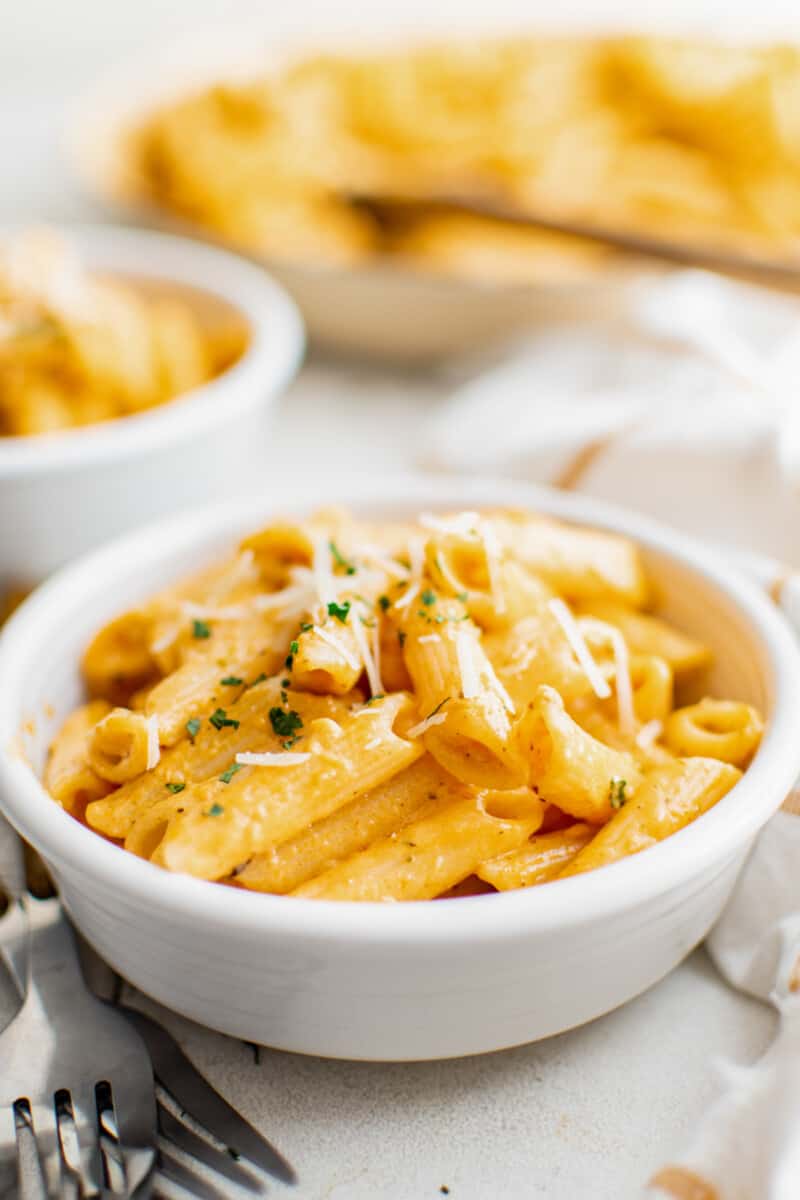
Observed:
{"x":585,"y":1115}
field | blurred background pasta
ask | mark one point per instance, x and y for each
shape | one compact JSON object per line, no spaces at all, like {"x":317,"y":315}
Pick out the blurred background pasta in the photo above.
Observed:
{"x":685,"y":139}
{"x":76,"y":349}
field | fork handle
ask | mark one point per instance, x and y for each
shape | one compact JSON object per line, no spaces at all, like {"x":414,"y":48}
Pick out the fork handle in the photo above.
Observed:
{"x":54,"y":970}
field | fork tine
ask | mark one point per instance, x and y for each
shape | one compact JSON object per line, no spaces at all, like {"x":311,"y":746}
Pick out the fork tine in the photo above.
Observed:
{"x":135,"y":1122}
{"x":198,"y":1148}
{"x":84,"y":1108}
{"x":178,"y":1172}
{"x":8,"y":1151}
{"x":43,"y":1124}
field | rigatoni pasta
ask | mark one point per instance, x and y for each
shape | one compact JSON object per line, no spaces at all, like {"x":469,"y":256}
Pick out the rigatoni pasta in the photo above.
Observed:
{"x":353,"y":711}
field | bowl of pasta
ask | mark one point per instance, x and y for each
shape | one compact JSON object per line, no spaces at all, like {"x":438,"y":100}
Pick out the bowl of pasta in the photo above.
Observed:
{"x":137,"y":371}
{"x":296,"y":149}
{"x":445,"y":768}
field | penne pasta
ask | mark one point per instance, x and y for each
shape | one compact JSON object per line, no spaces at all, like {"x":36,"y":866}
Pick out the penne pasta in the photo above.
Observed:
{"x":348,"y":709}
{"x":433,"y":853}
{"x":669,"y":798}
{"x":542,"y":858}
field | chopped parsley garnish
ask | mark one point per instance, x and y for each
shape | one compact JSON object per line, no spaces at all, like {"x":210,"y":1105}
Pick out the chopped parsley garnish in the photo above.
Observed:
{"x":305,"y":626}
{"x":285,"y":723}
{"x":289,"y":660}
{"x":292,"y":741}
{"x":258,"y":679}
{"x":428,"y":597}
{"x":231,"y":681}
{"x":174,"y":788}
{"x":228,"y":775}
{"x":286,"y":683}
{"x":219,"y":719}
{"x":216,"y":810}
{"x":463,"y":596}
{"x":339,"y":611}
{"x":193,"y":727}
{"x":340,"y":559}
{"x":377,"y":696}
{"x":201,"y":629}
{"x":616,"y":792}
{"x":384,"y":602}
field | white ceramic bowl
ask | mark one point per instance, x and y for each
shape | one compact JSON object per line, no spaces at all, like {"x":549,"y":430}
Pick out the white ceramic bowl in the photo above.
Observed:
{"x":405,"y":981}
{"x":62,"y":493}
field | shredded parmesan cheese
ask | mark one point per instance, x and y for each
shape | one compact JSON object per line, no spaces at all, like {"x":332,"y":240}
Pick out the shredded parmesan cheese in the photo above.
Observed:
{"x":371,"y":667}
{"x":581,"y":651}
{"x":153,"y":748}
{"x":463,"y":523}
{"x":465,"y":654}
{"x":429,"y":637}
{"x":626,"y":716}
{"x":416,"y":552}
{"x":649,"y":734}
{"x":270,"y":759}
{"x":202,"y":612}
{"x":324,"y":579}
{"x":418,"y":730}
{"x":378,"y":557}
{"x":341,"y":650}
{"x":164,"y":642}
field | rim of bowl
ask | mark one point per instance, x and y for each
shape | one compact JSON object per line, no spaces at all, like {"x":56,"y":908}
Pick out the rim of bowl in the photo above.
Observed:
{"x":275,"y":347}
{"x":706,"y":844}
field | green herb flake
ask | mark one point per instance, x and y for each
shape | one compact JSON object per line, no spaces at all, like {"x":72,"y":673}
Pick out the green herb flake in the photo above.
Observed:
{"x":305,"y":626}
{"x":285,"y":723}
{"x":174,"y":788}
{"x":384,"y":602}
{"x":339,"y":611}
{"x":219,"y":719}
{"x":258,"y":679}
{"x":201,"y":629}
{"x":616,"y":792}
{"x":462,"y":596}
{"x":428,"y":597}
{"x":216,"y":810}
{"x":193,"y":727}
{"x":340,"y":559}
{"x":228,"y":775}
{"x":231,"y":681}
{"x":377,"y":696}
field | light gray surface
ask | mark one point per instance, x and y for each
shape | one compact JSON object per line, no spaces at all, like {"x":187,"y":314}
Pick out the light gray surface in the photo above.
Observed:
{"x":585,"y":1115}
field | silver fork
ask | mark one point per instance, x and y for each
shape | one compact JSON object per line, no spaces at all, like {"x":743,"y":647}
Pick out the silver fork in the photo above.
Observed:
{"x":177,"y":1080}
{"x":77,"y":1098}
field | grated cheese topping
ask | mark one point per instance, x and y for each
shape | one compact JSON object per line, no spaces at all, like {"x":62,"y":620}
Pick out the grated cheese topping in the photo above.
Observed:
{"x":271,"y":759}
{"x":649,"y":734}
{"x":418,"y":730}
{"x":626,"y":715}
{"x":416,"y":552}
{"x":324,"y":578}
{"x":462,"y":524}
{"x":367,"y":656}
{"x":470,"y":680}
{"x":429,"y":637}
{"x":204,"y":612}
{"x":153,"y":747}
{"x":341,"y":650}
{"x":582,"y":653}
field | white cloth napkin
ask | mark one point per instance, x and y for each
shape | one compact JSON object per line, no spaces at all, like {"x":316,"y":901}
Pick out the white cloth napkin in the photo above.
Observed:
{"x":686,"y":407}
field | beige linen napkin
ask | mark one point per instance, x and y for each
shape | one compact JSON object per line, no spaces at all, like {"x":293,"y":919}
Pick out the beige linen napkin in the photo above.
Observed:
{"x":687,"y":409}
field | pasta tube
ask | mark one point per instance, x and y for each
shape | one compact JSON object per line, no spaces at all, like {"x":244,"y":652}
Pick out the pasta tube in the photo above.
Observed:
{"x":247,"y":811}
{"x":724,"y":729}
{"x":539,"y":860}
{"x":69,"y":776}
{"x":123,"y":745}
{"x":467,"y":726}
{"x":570,"y":768}
{"x":351,"y":829}
{"x":669,"y":798}
{"x":434,"y":853}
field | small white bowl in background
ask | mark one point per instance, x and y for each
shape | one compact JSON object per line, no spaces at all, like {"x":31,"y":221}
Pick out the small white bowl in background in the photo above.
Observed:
{"x":432,"y":979}
{"x":64,"y":492}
